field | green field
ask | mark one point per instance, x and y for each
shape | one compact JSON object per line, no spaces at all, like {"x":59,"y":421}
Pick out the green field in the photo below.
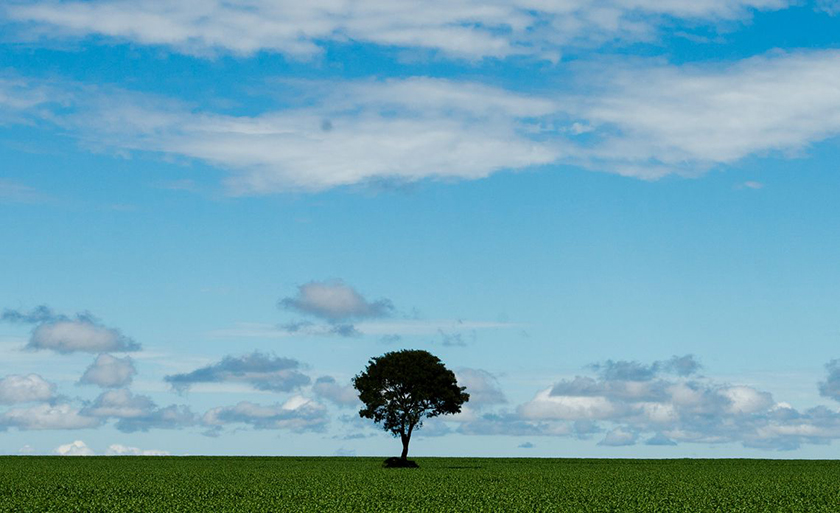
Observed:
{"x":441,"y":484}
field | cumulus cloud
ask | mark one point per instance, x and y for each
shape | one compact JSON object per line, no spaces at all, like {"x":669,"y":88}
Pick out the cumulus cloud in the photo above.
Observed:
{"x":17,"y":388}
{"x":77,"y":448}
{"x":81,"y":335}
{"x":469,"y":29}
{"x":124,"y":450}
{"x":137,"y":412}
{"x":109,"y":372}
{"x":342,"y":395}
{"x":261,"y":371}
{"x":482,"y":386}
{"x":831,"y":386}
{"x":619,"y":437}
{"x":175,"y":416}
{"x":660,"y":439}
{"x":509,"y":424}
{"x":63,"y":334}
{"x":335,"y":301}
{"x":47,"y":416}
{"x":663,"y":403}
{"x":548,"y":405}
{"x":623,"y":370}
{"x":298,"y":414}
{"x":37,"y":315}
{"x":120,"y":403}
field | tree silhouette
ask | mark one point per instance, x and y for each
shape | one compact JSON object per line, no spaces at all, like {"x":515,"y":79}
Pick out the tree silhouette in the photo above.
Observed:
{"x":401,"y":388}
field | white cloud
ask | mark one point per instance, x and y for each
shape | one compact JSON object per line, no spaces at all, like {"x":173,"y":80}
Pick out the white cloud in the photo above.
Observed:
{"x":137,"y":412}
{"x":619,"y":437}
{"x":334,"y":301}
{"x":46,"y":416}
{"x":831,"y":386}
{"x":342,"y":395}
{"x":380,"y":133}
{"x":642,"y":119}
{"x":746,"y":400}
{"x":547,"y":406}
{"x":298,"y":414}
{"x":14,"y":192}
{"x":67,"y":336}
{"x":22,"y":389}
{"x":260,"y":370}
{"x":669,"y":405}
{"x":386,"y":328}
{"x":832,"y":7}
{"x":77,"y":448}
{"x":482,"y":386}
{"x":17,"y":94}
{"x":120,"y":404}
{"x":656,"y":120}
{"x":109,"y":372}
{"x":124,"y":450}
{"x":470,"y":29}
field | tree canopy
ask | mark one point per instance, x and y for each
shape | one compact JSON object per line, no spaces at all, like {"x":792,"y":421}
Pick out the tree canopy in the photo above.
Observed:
{"x":401,"y":388}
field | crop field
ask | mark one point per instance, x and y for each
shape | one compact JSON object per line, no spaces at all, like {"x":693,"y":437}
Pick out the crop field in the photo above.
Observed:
{"x":440,"y":484}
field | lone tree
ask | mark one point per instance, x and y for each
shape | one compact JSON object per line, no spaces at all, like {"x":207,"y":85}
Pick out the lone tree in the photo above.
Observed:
{"x":400,"y":388}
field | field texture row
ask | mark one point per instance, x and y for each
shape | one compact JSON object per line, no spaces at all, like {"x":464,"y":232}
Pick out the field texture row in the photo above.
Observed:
{"x":440,"y":484}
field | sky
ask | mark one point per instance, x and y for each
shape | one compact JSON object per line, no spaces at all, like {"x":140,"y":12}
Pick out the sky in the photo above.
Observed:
{"x":615,"y":221}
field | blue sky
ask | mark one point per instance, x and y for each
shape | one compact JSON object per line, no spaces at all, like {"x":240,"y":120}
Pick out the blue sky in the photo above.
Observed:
{"x":616,"y":223}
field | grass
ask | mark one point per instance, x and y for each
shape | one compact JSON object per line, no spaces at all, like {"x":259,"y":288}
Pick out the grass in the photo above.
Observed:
{"x":440,"y":484}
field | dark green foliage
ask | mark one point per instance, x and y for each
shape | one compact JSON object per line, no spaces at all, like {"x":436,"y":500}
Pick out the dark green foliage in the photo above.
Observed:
{"x":401,"y":388}
{"x":118,"y":484}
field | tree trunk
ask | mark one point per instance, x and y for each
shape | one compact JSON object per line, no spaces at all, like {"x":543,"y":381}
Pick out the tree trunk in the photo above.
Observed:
{"x":405,"y":439}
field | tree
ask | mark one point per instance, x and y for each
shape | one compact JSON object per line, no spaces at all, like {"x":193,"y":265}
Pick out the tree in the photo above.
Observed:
{"x":401,"y":388}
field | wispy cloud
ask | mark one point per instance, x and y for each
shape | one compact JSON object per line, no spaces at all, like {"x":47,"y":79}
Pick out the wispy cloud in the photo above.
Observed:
{"x":396,"y":131}
{"x":647,"y":120}
{"x":387,"y":329}
{"x":15,"y":192}
{"x":652,"y":120}
{"x":469,"y":29}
